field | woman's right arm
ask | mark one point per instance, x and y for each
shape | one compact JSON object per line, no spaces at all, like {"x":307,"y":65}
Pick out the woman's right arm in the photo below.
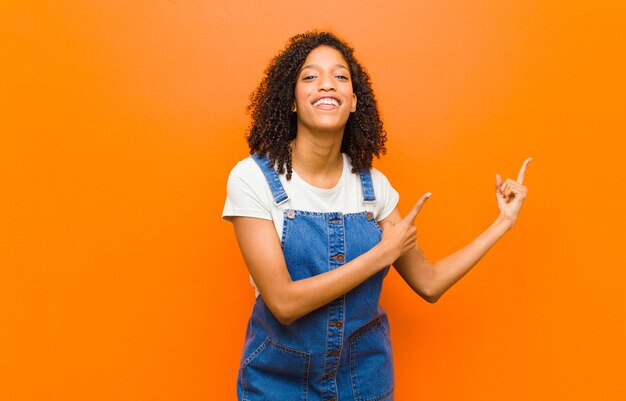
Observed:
{"x":289,"y":300}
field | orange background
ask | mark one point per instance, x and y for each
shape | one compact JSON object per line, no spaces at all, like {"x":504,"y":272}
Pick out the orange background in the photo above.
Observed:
{"x":121,"y":120}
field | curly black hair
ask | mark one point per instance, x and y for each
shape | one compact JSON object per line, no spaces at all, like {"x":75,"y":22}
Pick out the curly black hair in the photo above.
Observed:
{"x":274,"y":125}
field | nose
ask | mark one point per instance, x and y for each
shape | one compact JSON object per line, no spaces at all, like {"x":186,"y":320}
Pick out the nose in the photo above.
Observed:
{"x":327,"y":82}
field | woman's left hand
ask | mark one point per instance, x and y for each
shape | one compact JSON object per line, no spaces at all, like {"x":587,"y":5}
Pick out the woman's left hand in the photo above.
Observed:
{"x":511,"y":194}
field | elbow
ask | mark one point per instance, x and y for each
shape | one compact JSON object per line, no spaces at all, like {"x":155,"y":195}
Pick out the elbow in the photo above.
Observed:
{"x":285,"y":321}
{"x":285,"y":318}
{"x":283,"y":313}
{"x":431,"y":299}
{"x":283,"y":304}
{"x":430,"y":296}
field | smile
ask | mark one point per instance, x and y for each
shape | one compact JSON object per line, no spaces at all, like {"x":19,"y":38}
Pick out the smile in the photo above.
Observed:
{"x":326,"y":100}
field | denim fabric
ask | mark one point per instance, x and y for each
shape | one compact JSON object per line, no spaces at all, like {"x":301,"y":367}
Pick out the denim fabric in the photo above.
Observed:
{"x":340,"y":351}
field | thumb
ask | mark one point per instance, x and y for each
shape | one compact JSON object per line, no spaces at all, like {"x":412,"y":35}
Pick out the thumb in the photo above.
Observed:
{"x":416,"y":209}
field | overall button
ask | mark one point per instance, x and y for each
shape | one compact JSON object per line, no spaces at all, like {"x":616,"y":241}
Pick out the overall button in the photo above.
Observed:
{"x":369,"y":215}
{"x":331,"y":399}
{"x":333,"y":353}
{"x":338,"y":257}
{"x":290,"y":214}
{"x":334,"y":221}
{"x":338,"y":324}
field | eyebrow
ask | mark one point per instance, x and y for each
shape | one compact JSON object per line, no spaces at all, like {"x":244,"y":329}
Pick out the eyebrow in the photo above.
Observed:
{"x":315,"y":65}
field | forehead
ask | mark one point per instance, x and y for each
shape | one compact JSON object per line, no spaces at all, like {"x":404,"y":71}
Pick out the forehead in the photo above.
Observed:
{"x":324,"y":55}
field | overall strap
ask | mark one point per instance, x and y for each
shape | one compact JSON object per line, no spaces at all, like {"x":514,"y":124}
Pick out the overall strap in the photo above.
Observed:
{"x":278,"y":191}
{"x":367,"y":187}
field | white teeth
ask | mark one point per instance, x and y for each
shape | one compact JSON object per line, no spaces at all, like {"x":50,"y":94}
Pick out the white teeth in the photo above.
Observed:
{"x":326,"y":100}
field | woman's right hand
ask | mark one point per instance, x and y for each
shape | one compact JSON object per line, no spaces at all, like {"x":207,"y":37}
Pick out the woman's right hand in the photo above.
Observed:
{"x":400,"y":237}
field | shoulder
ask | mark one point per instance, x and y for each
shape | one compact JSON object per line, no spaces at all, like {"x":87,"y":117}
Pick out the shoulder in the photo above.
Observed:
{"x":380,"y":181}
{"x":246,"y":176}
{"x":386,"y":193}
{"x":247,"y":192}
{"x":381,"y":184}
{"x":248,"y":173}
{"x":246,"y":169}
{"x":378,"y":178}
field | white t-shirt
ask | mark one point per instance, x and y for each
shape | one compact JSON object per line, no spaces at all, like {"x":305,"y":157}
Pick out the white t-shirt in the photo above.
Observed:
{"x":250,"y":195}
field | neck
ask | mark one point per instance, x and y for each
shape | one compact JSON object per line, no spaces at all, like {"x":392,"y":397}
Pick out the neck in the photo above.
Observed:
{"x":317,"y":154}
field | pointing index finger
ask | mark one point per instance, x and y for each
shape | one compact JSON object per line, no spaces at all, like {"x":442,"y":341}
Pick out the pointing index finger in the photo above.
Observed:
{"x":416,"y":209}
{"x":522,"y":172}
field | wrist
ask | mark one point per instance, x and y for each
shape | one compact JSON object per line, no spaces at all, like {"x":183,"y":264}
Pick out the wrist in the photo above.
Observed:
{"x":504,"y":223}
{"x":384,"y":253}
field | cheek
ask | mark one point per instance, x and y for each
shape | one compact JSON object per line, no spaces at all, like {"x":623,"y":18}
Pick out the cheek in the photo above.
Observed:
{"x":300,"y":94}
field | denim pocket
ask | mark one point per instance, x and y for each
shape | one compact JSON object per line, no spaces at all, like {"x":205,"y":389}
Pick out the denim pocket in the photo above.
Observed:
{"x":371,"y":363}
{"x":275,"y":372}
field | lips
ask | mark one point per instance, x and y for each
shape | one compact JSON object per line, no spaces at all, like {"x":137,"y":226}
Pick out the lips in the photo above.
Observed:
{"x":326,"y":103}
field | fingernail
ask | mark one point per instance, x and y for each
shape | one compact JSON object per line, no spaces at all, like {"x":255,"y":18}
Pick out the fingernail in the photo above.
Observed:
{"x":428,"y":195}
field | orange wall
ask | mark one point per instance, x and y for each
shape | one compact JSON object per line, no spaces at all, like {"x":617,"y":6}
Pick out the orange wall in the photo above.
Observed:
{"x":120,"y":121}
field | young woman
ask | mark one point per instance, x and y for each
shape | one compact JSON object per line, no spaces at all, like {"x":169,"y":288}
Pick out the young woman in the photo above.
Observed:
{"x":307,"y":208}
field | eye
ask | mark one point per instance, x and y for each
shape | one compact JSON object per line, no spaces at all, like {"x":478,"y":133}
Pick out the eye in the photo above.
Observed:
{"x":343,"y":77}
{"x":308,"y":77}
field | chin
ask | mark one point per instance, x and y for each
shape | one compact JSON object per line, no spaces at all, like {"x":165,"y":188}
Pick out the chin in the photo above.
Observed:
{"x":333,"y":124}
{"x":329,"y":128}
{"x":330,"y":123}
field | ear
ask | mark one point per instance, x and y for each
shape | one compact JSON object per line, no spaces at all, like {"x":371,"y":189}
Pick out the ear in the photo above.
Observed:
{"x":353,"y":109}
{"x":294,"y":108}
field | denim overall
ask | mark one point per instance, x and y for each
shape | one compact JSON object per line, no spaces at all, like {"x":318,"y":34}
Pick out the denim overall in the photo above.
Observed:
{"x":338,"y":352}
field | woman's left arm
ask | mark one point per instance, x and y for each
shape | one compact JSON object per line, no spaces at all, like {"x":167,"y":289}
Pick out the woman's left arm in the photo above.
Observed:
{"x":432,"y":280}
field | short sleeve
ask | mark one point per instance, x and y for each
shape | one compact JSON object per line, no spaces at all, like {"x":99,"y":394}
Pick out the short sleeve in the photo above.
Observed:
{"x":386,"y":195}
{"x":246,"y":194}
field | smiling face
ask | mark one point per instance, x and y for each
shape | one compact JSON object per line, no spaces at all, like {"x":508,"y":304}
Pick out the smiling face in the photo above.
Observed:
{"x":324,"y":97}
